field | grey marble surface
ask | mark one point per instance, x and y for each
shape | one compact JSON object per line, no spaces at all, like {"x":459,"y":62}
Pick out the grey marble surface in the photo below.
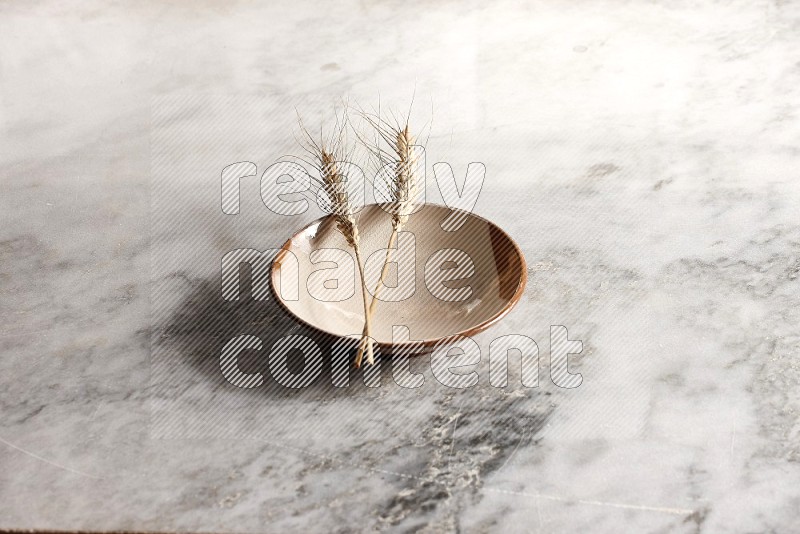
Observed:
{"x":643,"y":155}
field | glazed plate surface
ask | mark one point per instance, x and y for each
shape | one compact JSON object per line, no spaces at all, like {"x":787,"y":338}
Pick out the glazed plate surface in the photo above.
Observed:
{"x":449,"y":282}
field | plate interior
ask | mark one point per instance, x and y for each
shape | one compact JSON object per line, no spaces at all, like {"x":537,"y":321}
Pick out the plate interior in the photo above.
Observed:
{"x":487,"y":291}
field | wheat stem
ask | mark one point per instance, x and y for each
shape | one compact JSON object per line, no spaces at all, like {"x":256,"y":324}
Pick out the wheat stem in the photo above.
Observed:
{"x":384,"y":272}
{"x":404,"y":193}
{"x":381,"y":282}
{"x":365,"y":334}
{"x":327,"y":153}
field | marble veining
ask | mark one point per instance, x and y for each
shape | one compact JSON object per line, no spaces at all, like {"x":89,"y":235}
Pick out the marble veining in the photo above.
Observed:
{"x":643,"y":156}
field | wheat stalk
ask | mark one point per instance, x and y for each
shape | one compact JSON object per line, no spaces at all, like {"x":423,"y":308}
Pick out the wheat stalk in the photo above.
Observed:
{"x":403,"y":189}
{"x":325,"y":155}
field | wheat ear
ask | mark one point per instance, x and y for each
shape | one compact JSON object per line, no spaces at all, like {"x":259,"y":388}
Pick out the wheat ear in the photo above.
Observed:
{"x":334,"y":184}
{"x":404,"y":189}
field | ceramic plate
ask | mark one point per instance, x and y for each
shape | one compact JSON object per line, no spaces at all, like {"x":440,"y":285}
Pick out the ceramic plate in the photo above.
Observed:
{"x":440,"y":294}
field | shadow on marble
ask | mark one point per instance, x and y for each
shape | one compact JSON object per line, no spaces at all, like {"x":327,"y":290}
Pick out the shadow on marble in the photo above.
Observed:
{"x":204,"y":322}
